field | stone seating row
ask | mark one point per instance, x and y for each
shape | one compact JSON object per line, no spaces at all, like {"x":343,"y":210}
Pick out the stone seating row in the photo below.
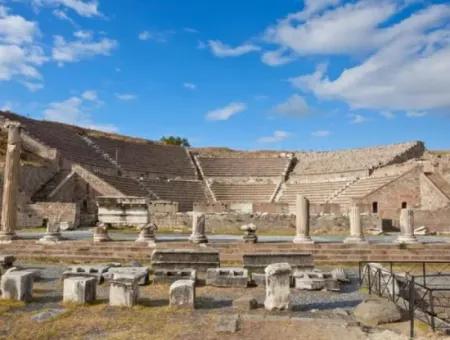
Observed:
{"x":243,"y":192}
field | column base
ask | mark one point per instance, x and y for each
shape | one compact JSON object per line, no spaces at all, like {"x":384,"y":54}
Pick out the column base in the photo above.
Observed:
{"x":197,"y":239}
{"x":7,"y":237}
{"x":101,"y":238}
{"x":302,"y":239}
{"x":249,"y":239}
{"x":355,"y":240}
{"x":145,"y":239}
{"x":50,"y":238}
{"x":406,"y":240}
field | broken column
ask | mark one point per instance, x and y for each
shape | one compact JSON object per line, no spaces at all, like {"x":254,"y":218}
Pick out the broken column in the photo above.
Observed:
{"x":277,"y":286}
{"x":101,"y":233}
{"x":406,"y":227}
{"x":17,"y":285}
{"x":302,"y":220}
{"x":182,"y":294}
{"x":11,"y":183}
{"x":249,"y":233}
{"x":52,"y":234}
{"x":147,"y":234}
{"x":198,"y":229}
{"x":123,"y":292}
{"x":356,"y":232}
{"x":79,"y":289}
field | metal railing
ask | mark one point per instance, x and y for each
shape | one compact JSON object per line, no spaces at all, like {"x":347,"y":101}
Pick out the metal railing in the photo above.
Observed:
{"x":423,"y":290}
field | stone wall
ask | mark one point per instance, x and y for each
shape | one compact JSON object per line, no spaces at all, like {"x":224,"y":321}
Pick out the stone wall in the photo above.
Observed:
{"x":33,"y":215}
{"x":436,"y":220}
{"x":431,"y":197}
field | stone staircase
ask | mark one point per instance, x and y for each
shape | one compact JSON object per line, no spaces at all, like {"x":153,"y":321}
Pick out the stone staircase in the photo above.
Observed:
{"x":317,"y":193}
{"x":254,"y":192}
{"x":440,"y":183}
{"x":43,"y":194}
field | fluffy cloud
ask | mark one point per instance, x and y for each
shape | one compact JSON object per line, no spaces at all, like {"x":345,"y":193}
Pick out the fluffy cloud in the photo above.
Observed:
{"x":320,"y":133}
{"x":75,"y":110}
{"x":357,"y":118}
{"x":84,"y":46}
{"x":277,"y":136}
{"x":294,"y":106}
{"x":157,"y":36}
{"x":219,"y":49}
{"x":84,"y":8}
{"x":190,"y":86}
{"x":403,"y":65}
{"x":226,"y":112}
{"x":126,"y":96}
{"x":416,"y":114}
{"x":20,"y":56}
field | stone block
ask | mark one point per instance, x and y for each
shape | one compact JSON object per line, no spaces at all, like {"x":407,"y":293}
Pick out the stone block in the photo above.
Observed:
{"x":141,"y":274}
{"x":7,"y":261}
{"x":227,"y":277}
{"x":277,"y":286}
{"x":17,"y":285}
{"x":172,"y":275}
{"x":182,"y":294}
{"x":123,"y":292}
{"x":200,"y":260}
{"x":79,"y":289}
{"x":373,"y":312}
{"x":257,"y":262}
{"x":245,"y":303}
{"x":259,"y":279}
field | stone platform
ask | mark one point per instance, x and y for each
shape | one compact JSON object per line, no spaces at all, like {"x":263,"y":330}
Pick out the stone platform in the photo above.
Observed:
{"x":124,"y":251}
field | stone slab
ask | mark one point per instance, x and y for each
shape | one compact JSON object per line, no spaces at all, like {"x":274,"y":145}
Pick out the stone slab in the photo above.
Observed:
{"x":227,"y":277}
{"x":172,"y":275}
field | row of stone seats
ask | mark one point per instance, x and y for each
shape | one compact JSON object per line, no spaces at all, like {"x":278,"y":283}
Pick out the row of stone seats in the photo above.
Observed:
{"x":361,"y":188}
{"x":148,"y":157}
{"x":243,"y":167}
{"x":354,"y":159}
{"x":317,"y":193}
{"x":254,"y":192}
{"x":65,"y":138}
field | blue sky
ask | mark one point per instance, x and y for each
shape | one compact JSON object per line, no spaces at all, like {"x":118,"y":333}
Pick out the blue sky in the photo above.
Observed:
{"x":285,"y":74}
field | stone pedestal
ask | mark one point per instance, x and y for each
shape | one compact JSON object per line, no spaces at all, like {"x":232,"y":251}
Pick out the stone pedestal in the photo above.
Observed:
{"x":79,"y":289}
{"x":123,"y":292}
{"x":302,"y":220}
{"x":249,"y":233}
{"x":277,"y":286}
{"x":17,"y":285}
{"x":147,"y":234}
{"x":182,"y":294}
{"x":52,"y":235}
{"x":356,"y":232}
{"x":407,"y":227}
{"x":198,"y":229}
{"x":10,"y":184}
{"x":101,"y":233}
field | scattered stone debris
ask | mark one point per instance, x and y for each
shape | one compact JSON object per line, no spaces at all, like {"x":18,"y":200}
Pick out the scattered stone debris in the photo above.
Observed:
{"x":340,"y":275}
{"x":228,"y":324}
{"x":48,"y":314}
{"x":182,"y":294}
{"x":423,"y":231}
{"x":373,"y":312}
{"x":227,"y":277}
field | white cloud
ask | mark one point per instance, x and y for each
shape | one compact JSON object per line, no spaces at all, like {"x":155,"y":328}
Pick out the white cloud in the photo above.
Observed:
{"x":33,"y":86}
{"x":84,"y":8}
{"x":83,"y":47}
{"x":387,"y":114}
{"x":61,"y":14}
{"x":294,"y":106}
{"x":226,"y":112}
{"x":416,"y":114}
{"x":126,"y":96}
{"x":357,"y":118}
{"x":157,"y":36}
{"x":190,"y":30}
{"x":219,"y":49}
{"x":277,"y":136}
{"x":20,"y":54}
{"x":75,"y":110}
{"x":404,"y":65}
{"x":190,"y":86}
{"x":277,"y":57}
{"x":320,"y":133}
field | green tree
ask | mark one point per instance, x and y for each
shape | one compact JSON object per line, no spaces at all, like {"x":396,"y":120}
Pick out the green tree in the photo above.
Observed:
{"x":173,"y":140}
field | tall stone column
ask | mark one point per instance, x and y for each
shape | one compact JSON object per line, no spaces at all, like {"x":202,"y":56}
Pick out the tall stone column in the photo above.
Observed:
{"x":11,"y":183}
{"x":302,"y":220}
{"x":356,"y":232}
{"x":198,"y":229}
{"x":406,"y":227}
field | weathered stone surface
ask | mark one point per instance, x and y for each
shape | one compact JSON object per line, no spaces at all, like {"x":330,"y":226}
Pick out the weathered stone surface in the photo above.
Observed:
{"x":245,"y":303}
{"x":302,"y":220}
{"x":249,"y":233}
{"x":198,"y":229}
{"x":340,"y":275}
{"x":277,"y":286}
{"x":7,"y":261}
{"x":200,"y":260}
{"x":141,"y":274}
{"x":48,"y":314}
{"x":123,"y":211}
{"x":259,"y":279}
{"x":227,"y":277}
{"x":356,"y":232}
{"x":79,"y":289}
{"x":228,"y":324}
{"x":17,"y":285}
{"x":172,"y":275}
{"x":257,"y":262}
{"x":90,"y":270}
{"x":373,"y":312}
{"x":407,"y":227}
{"x":123,"y":292}
{"x":147,"y":234}
{"x":101,"y":233}
{"x":182,"y":294}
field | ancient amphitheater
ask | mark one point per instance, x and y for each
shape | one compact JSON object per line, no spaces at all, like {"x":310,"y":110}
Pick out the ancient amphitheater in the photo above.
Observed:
{"x":66,"y":167}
